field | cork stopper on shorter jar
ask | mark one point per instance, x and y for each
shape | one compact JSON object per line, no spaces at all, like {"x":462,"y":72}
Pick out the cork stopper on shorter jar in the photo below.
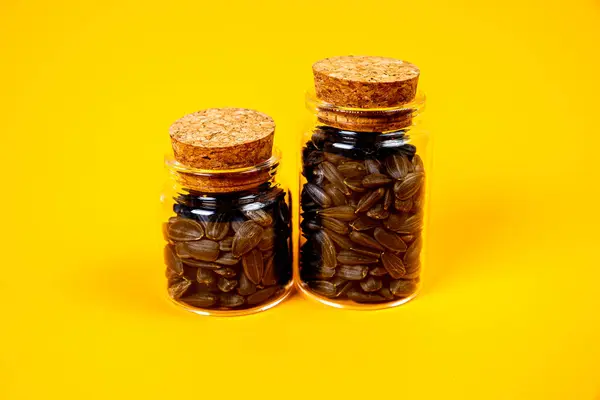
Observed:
{"x":218,"y":139}
{"x":365,"y":82}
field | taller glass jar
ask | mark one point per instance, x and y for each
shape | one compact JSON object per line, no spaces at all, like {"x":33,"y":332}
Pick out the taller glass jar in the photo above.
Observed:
{"x":363,"y":184}
{"x":226,"y":217}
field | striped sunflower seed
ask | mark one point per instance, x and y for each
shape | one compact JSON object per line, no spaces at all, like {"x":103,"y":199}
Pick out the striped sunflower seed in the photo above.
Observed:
{"x":393,"y":264}
{"x":370,"y":199}
{"x":260,"y":216}
{"x":334,"y":177}
{"x":371,"y":284}
{"x":262,"y":295}
{"x":350,"y":257}
{"x":375,"y":180}
{"x":365,"y":240}
{"x":409,"y":186}
{"x":389,"y":240}
{"x":318,"y":195}
{"x":253,"y":266}
{"x":343,"y":213}
{"x":246,"y":238}
{"x":184,"y":229}
{"x":217,"y":226}
{"x":203,"y":250}
{"x":335,"y":225}
{"x":352,"y":272}
{"x":201,"y":300}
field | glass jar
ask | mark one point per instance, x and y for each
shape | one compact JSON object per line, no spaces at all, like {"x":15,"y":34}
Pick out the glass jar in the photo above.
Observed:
{"x":363,"y":185}
{"x":227,"y":234}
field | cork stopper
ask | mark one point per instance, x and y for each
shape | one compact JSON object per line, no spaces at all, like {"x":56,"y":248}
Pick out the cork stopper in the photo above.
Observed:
{"x":222,"y":138}
{"x":365,"y":82}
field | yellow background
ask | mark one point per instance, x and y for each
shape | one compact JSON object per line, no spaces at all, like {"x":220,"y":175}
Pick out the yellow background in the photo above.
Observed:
{"x":510,"y":307}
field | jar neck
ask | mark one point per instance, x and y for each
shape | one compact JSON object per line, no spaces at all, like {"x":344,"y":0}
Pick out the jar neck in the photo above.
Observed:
{"x":203,"y":182}
{"x":367,"y":119}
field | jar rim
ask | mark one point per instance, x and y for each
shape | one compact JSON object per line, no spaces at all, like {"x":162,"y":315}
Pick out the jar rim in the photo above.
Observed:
{"x":175,"y":166}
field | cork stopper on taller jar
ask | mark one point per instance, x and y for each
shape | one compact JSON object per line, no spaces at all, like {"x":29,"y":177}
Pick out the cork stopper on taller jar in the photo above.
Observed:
{"x":365,"y":83}
{"x":218,"y":139}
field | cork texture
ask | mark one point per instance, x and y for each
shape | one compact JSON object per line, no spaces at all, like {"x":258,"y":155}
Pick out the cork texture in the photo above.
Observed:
{"x":365,"y":81}
{"x":222,"y":138}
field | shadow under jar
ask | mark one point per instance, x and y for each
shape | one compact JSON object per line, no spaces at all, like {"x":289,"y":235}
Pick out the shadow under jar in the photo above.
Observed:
{"x":364,"y":164}
{"x":227,"y":226}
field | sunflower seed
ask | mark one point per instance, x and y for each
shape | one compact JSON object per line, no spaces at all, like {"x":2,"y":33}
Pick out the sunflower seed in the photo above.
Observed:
{"x":388,"y":199}
{"x":355,"y":184}
{"x":202,"y":299}
{"x":402,"y":288}
{"x":403,"y":205}
{"x":226,"y":285}
{"x":227,"y":259}
{"x":230,"y":300}
{"x":372,"y":166}
{"x":318,"y":195}
{"x":377,"y":212}
{"x":419,"y":198}
{"x":389,"y":240}
{"x":409,"y":186}
{"x":378,"y":271}
{"x":334,"y":177}
{"x":365,"y":240}
{"x":407,"y":238}
{"x":178,"y":288}
{"x":217,"y":226}
{"x":313,"y":157}
{"x":418,"y":163}
{"x":338,"y":281}
{"x":172,"y":261}
{"x":184,"y":229}
{"x":269,"y":278}
{"x":341,"y":240}
{"x":246,"y":238}
{"x":343,"y":289}
{"x":403,"y":224}
{"x":413,"y":252}
{"x":310,"y":224}
{"x":343,"y":213}
{"x":386,"y":293}
{"x":318,"y":176}
{"x":171,"y":276}
{"x":203,"y":250}
{"x":371,"y":284}
{"x":398,"y":166}
{"x":323,"y":288}
{"x":225,"y":244}
{"x":226,"y":272}
{"x":415,"y":273}
{"x":393,"y":264}
{"x":327,"y":249}
{"x":352,"y":258}
{"x":317,"y":272}
{"x":361,"y":297}
{"x":253,"y":266}
{"x":364,"y":223}
{"x":262,"y":295}
{"x":335,"y":158}
{"x":267,"y":240}
{"x":352,"y":272}
{"x":201,"y":264}
{"x":260,"y":216}
{"x":352,"y":169}
{"x":370,"y":199}
{"x":205,"y":276}
{"x":236,"y":222}
{"x":245,"y":287}
{"x":375,"y":180}
{"x":335,"y":225}
{"x":366,"y":251}
{"x":337,"y":197}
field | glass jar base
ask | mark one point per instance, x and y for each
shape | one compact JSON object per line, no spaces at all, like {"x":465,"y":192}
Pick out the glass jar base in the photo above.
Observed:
{"x":350,"y":305}
{"x":288,"y":289}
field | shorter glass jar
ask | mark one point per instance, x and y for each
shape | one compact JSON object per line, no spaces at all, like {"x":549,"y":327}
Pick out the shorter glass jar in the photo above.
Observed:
{"x":227,"y":236}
